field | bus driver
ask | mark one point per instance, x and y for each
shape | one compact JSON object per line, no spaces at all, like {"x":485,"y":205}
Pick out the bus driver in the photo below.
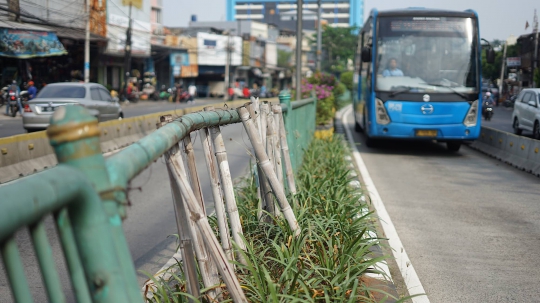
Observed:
{"x":392,"y":70}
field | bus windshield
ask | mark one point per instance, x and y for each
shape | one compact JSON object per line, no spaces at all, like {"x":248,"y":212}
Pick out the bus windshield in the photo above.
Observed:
{"x":427,"y":54}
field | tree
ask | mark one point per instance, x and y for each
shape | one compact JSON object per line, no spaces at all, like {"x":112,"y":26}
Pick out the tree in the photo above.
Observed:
{"x":493,"y":71}
{"x":339,"y":44}
{"x":284,"y":58}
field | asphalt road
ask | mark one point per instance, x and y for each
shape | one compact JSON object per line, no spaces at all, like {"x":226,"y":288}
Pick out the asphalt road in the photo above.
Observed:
{"x":13,"y":126}
{"x":150,"y":226}
{"x":470,"y":224}
{"x":502,"y":120}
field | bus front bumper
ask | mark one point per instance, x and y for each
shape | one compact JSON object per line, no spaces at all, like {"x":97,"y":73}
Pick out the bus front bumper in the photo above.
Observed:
{"x":426,"y":132}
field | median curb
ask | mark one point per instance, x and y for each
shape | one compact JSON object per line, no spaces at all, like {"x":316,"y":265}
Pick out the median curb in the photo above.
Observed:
{"x":520,"y":152}
{"x":26,"y":154}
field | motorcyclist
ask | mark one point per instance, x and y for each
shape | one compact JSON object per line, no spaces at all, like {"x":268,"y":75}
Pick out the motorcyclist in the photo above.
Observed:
{"x":14,"y":88}
{"x":488,"y":100}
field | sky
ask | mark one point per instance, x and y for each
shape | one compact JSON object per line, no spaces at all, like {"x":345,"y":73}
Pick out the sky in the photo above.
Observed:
{"x":498,"y":19}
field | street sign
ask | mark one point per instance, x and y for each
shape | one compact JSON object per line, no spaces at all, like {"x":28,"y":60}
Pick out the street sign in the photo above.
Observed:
{"x":135,"y":3}
{"x":513,"y":61}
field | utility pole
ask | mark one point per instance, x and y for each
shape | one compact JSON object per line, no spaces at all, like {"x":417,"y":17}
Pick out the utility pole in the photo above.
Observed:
{"x":503,"y":65}
{"x":299,"y":8}
{"x":15,"y":10}
{"x":319,"y":36}
{"x":127,"y":53}
{"x":227,"y":66}
{"x":535,"y":64}
{"x":86,"y":44}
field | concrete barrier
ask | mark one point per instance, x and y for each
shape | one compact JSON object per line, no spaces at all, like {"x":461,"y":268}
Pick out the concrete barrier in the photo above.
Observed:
{"x":520,"y":152}
{"x":25,"y":154}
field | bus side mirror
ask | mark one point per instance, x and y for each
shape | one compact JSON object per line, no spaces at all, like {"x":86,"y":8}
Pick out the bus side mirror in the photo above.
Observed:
{"x":366,"y":54}
{"x":490,"y":56}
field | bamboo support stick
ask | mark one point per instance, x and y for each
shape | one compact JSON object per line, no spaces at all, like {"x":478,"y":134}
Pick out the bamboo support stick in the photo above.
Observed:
{"x":207,"y":267}
{"x":269,"y":195}
{"x":264,"y":187}
{"x":263,"y":124}
{"x":219,"y":206}
{"x":255,"y":112}
{"x":228,"y":190}
{"x":225,"y":268}
{"x":277,"y":145}
{"x":286,"y":156}
{"x":182,"y":223}
{"x":264,"y":163}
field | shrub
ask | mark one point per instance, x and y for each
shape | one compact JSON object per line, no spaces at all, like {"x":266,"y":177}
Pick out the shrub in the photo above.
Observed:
{"x":347,"y":79}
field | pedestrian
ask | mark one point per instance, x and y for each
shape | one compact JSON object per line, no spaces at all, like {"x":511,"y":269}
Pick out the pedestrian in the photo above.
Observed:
{"x":32,"y":90}
{"x":192,"y":89}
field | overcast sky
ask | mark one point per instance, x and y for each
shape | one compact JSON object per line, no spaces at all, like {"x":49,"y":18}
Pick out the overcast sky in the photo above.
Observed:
{"x":498,"y":19}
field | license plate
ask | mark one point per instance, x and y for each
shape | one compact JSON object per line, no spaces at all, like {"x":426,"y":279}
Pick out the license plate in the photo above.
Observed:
{"x":426,"y":133}
{"x":48,"y":109}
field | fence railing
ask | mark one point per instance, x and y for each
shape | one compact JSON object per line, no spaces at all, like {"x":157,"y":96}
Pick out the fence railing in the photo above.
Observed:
{"x":87,"y":194}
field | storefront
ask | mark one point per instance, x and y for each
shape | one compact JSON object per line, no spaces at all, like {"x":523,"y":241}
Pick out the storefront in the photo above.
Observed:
{"x":44,"y":54}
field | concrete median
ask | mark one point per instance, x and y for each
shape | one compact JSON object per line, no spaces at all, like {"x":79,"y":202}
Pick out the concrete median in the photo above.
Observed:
{"x":520,"y":152}
{"x":23,"y":155}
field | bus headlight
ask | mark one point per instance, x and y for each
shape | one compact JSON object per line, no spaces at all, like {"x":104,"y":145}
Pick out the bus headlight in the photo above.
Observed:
{"x":382,"y":115}
{"x":472,"y":115}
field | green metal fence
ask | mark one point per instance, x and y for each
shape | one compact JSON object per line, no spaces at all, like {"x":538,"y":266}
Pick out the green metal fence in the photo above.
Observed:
{"x":300,"y":124}
{"x":87,"y":194}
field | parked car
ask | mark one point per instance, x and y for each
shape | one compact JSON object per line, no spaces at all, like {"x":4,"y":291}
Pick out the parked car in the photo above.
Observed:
{"x":95,"y":97}
{"x":526,"y":115}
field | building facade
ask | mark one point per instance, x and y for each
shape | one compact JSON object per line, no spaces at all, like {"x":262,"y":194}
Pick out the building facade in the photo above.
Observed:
{"x":282,"y":13}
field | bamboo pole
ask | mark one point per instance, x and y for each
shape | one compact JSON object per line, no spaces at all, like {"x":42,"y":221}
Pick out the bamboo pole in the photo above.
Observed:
{"x":224,"y":233}
{"x":269,"y":195}
{"x":225,"y":268}
{"x":285,"y":150}
{"x":277,"y":145}
{"x":264,"y":124}
{"x":207,"y":267}
{"x":264,"y":188}
{"x":264,"y":163}
{"x":228,"y":190}
{"x":254,"y":111}
{"x":182,"y":224}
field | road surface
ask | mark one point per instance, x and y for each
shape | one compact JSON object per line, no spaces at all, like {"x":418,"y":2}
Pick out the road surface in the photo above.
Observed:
{"x":502,"y":120}
{"x":150,"y":226}
{"x":13,"y":126}
{"x":470,"y":224}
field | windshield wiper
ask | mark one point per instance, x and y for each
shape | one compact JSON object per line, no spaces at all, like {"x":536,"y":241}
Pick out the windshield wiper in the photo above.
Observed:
{"x":449,"y":87}
{"x":406,"y":89}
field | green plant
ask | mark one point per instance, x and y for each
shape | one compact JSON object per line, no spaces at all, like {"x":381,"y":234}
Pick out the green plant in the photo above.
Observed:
{"x":327,"y":262}
{"x":347,"y":79}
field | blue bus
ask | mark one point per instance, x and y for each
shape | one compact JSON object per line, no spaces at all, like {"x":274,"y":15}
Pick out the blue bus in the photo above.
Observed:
{"x":418,"y":76}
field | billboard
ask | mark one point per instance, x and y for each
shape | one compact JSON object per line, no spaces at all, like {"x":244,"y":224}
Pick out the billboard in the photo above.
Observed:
{"x":211,"y":49}
{"x":29,"y":44}
{"x":513,"y":61}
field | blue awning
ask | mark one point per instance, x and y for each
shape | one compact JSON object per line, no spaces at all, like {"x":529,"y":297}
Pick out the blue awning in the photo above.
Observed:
{"x":22,"y":41}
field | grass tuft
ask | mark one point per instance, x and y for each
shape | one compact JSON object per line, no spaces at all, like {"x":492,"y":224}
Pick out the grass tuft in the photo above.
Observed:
{"x":327,"y":262}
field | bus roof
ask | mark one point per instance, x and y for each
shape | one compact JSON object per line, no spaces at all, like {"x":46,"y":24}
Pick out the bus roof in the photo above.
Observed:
{"x":416,"y":11}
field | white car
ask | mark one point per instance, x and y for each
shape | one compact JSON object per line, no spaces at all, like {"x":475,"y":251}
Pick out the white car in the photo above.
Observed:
{"x":526,"y":115}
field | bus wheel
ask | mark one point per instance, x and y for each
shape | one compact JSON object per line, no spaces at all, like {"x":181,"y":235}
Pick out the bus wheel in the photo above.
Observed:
{"x":453,"y":146}
{"x":357,"y":127}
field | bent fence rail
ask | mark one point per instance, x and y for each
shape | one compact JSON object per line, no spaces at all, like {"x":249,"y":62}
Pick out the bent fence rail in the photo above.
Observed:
{"x":91,"y":203}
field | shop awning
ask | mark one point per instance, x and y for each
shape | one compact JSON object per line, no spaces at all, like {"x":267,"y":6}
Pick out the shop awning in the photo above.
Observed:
{"x":23,"y":40}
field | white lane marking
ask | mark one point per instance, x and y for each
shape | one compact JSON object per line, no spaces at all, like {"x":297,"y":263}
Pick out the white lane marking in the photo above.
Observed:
{"x":414,"y":286}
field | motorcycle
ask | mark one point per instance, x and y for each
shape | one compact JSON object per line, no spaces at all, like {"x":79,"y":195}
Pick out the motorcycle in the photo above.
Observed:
{"x":488,"y":111}
{"x":13,"y":103}
{"x":165,"y":93}
{"x":184,"y":96}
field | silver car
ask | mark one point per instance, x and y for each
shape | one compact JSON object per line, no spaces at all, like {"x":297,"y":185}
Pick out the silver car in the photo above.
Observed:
{"x":526,"y":115}
{"x":95,"y":97}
